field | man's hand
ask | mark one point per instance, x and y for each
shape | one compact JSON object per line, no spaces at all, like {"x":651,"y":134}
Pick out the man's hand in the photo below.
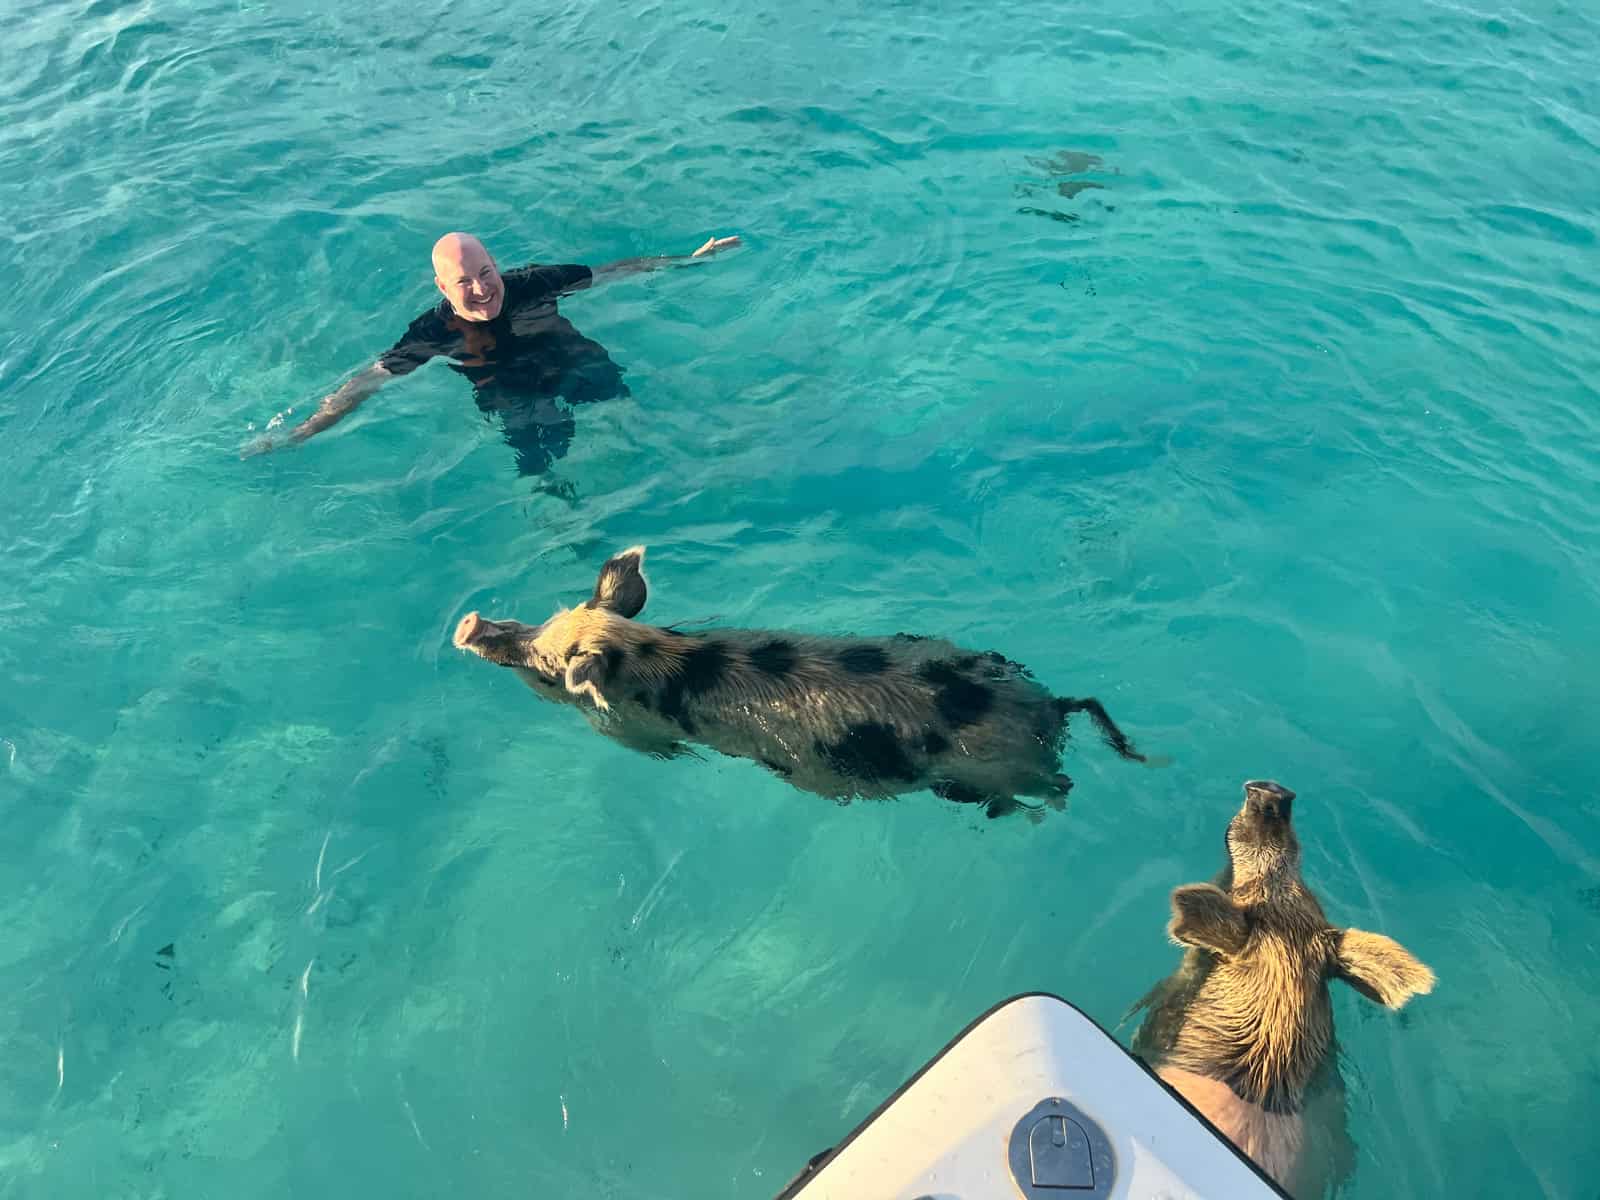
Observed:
{"x":260,"y":445}
{"x":714,"y":244}
{"x":634,"y":266}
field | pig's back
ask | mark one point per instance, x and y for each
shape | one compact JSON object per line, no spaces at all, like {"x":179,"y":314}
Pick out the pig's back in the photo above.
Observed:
{"x":859,"y":715}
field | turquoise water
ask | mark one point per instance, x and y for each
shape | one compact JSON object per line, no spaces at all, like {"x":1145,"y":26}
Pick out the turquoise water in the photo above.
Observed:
{"x":1282,"y":441}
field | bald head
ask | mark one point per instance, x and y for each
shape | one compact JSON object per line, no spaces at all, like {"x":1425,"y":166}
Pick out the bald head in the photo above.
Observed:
{"x":466,"y":273}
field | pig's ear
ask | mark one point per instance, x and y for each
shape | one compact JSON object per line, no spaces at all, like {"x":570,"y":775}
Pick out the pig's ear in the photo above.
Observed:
{"x":1204,"y":915}
{"x":583,"y":678}
{"x":621,"y":587}
{"x":1380,"y":968}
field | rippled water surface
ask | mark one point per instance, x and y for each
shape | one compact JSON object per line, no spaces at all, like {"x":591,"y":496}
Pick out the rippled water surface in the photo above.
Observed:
{"x":1236,"y":364}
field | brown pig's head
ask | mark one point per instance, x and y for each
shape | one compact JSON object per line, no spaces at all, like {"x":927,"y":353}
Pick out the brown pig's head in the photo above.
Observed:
{"x":568,"y":651}
{"x":1267,"y":931}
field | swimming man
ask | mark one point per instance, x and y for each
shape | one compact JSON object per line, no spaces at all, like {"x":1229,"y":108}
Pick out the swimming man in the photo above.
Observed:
{"x":502,"y":331}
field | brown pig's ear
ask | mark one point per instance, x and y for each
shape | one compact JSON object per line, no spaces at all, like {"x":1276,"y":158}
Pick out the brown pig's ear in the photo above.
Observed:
{"x":621,"y":587}
{"x":1380,"y":968}
{"x":1204,"y":915}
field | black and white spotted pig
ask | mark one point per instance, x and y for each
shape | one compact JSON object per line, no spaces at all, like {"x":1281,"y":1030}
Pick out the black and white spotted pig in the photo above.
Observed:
{"x":842,"y":717}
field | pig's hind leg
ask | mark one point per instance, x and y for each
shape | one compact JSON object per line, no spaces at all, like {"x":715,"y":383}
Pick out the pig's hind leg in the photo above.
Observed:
{"x":994,"y":805}
{"x":1053,"y":793}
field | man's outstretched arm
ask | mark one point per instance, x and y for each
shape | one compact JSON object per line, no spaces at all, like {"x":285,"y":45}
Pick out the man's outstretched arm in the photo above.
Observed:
{"x":633,"y":266}
{"x":333,"y":408}
{"x":331,"y":411}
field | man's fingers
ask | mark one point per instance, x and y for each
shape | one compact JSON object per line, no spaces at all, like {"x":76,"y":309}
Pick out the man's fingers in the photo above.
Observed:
{"x":714,"y":244}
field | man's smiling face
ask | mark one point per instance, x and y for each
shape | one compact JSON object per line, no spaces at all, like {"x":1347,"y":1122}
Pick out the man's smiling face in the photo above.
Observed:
{"x":468,"y":277}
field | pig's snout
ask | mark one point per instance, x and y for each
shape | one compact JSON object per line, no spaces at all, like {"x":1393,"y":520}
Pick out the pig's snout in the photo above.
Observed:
{"x":1269,"y":799}
{"x":505,"y":642}
{"x":467,"y":630}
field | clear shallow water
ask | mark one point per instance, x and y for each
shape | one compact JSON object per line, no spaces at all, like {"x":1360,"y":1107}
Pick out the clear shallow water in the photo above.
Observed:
{"x":1285,"y":448}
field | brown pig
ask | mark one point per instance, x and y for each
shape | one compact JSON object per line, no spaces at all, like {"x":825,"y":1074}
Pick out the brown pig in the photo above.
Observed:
{"x":841,"y":717}
{"x":1244,"y":1028}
